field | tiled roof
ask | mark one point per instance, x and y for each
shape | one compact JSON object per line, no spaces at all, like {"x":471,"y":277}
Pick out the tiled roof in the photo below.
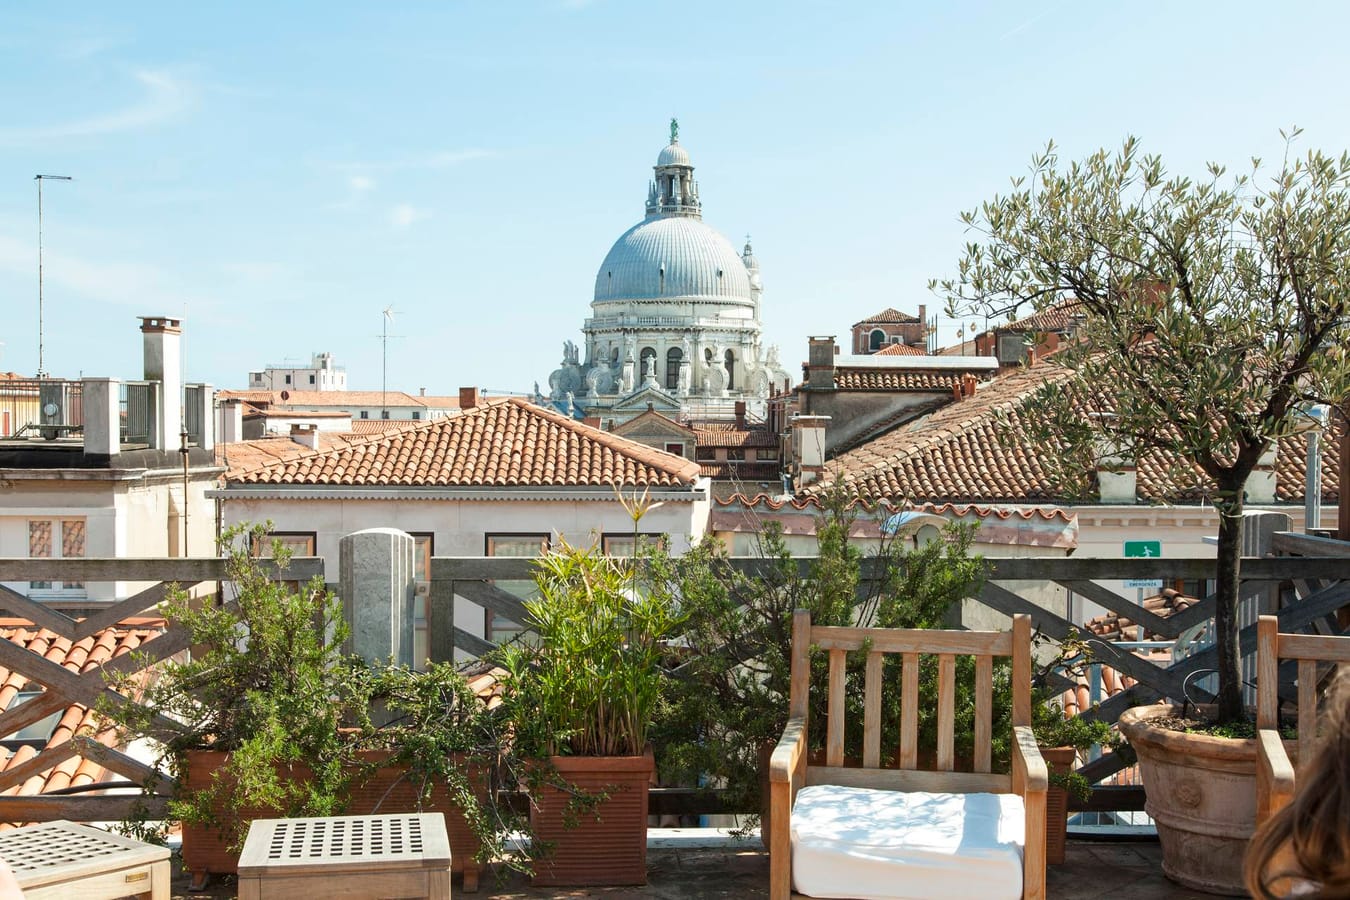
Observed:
{"x":888,"y":316}
{"x":1113,"y":626}
{"x":813,"y":504}
{"x":380,"y":426}
{"x":503,"y":443}
{"x":863,"y":379}
{"x":242,"y":455}
{"x":335,"y":399}
{"x":901,"y":350}
{"x":742,"y":470}
{"x":80,"y":656}
{"x":962,"y":454}
{"x":1058,"y":317}
{"x":297,"y":414}
{"x":735,"y":437}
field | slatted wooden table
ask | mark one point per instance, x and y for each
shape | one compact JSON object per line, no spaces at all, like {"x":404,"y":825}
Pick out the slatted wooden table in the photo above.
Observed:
{"x":65,"y":859}
{"x":405,"y":855}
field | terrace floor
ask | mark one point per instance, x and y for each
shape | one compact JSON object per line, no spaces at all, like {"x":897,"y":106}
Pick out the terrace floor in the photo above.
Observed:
{"x":689,"y":869}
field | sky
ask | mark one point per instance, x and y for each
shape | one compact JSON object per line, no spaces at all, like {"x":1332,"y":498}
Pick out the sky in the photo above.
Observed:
{"x":280,"y":174}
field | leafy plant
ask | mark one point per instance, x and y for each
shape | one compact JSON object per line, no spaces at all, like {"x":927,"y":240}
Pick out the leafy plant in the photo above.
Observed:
{"x":591,"y":683}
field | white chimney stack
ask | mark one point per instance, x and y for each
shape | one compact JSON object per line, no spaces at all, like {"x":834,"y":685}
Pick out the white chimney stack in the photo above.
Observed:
{"x":163,"y":338}
{"x":305,"y":435}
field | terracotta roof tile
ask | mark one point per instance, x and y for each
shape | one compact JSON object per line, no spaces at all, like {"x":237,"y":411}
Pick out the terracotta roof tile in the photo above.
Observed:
{"x":742,"y":471}
{"x":963,"y":454}
{"x":503,"y":443}
{"x":849,"y":378}
{"x":735,"y":437}
{"x":901,"y":350}
{"x":888,"y":316}
{"x":329,"y":399}
{"x":1058,"y":317}
{"x":80,"y":656}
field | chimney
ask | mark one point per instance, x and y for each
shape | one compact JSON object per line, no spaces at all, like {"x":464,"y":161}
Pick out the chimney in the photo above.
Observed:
{"x":593,"y":421}
{"x":808,"y":448}
{"x":421,"y":392}
{"x":820,"y":363}
{"x":163,"y":361}
{"x":231,"y":421}
{"x":468,"y":397}
{"x":740,"y":414}
{"x":305,"y":435}
{"x":1261,"y":483}
{"x":1117,"y":477}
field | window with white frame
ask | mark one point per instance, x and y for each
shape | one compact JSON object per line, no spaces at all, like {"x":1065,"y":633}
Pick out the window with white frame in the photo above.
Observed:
{"x":499,"y":629}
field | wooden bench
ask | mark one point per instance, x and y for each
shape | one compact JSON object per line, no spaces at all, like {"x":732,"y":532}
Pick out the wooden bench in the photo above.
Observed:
{"x":404,"y":855}
{"x":897,"y":794}
{"x":1274,"y":771}
{"x":66,"y":859}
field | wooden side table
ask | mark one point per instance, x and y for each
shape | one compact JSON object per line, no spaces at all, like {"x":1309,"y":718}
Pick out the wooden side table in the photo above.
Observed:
{"x":66,"y":859}
{"x":404,"y":855}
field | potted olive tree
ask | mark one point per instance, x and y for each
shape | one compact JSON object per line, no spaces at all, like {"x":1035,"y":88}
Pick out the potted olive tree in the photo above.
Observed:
{"x":581,"y":699}
{"x":276,"y":722}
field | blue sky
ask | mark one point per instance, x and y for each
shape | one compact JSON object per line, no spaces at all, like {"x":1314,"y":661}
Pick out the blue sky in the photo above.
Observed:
{"x":278,"y":174}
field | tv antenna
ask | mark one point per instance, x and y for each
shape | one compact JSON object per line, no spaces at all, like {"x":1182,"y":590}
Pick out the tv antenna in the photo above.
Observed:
{"x":384,"y":361}
{"x":41,"y":371}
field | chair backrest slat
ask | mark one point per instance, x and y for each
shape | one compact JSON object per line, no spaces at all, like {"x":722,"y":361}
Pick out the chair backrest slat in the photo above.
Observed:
{"x":1021,"y":670}
{"x":984,"y":712}
{"x":834,"y":735}
{"x":799,"y":687}
{"x":872,"y":711}
{"x":946,"y":723}
{"x":1268,"y":672}
{"x":909,"y":711}
{"x":1307,"y":703}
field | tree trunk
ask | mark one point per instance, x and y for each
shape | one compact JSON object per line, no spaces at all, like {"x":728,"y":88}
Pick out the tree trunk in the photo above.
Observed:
{"x":1226,"y":609}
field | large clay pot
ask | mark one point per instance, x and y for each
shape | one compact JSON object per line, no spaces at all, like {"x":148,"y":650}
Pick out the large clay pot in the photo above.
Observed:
{"x":607,"y":846}
{"x":206,"y":851}
{"x":1201,"y":793}
{"x":1060,"y":761}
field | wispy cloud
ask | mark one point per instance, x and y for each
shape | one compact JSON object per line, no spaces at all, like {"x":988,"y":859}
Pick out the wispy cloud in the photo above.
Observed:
{"x":124,"y":283}
{"x":361,"y":183}
{"x":404,"y":215}
{"x":440,"y":159}
{"x":165,"y":96}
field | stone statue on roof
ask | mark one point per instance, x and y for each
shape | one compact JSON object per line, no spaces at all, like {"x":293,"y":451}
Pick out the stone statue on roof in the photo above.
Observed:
{"x":674,"y":130}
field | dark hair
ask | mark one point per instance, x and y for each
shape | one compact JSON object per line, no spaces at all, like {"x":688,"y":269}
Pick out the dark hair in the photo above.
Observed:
{"x":1309,"y":840}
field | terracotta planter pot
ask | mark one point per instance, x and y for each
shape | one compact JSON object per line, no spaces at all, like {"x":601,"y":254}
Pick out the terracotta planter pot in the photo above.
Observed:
{"x":1202,"y":796}
{"x":1060,"y":762}
{"x":607,"y":846}
{"x":206,"y":851}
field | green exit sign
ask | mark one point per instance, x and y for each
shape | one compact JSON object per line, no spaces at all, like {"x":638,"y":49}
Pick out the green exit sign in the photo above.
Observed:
{"x":1143,"y":549}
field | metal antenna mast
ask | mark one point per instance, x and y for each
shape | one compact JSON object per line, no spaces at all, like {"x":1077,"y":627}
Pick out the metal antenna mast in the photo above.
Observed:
{"x":384,"y":361}
{"x":41,"y":371}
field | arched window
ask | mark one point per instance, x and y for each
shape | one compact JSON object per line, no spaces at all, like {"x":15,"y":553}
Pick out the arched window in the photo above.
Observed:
{"x":731,"y":371}
{"x":614,"y":355}
{"x":648,"y":357}
{"x":673,"y":358}
{"x":877,"y":339}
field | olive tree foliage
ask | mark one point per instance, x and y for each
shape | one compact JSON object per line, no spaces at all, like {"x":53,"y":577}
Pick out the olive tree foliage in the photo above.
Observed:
{"x":1211,"y":312}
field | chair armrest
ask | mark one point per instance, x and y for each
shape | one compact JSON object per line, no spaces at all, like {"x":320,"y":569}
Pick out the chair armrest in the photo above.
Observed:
{"x":787,"y":755}
{"x":1276,"y":770}
{"x":1029,"y":771}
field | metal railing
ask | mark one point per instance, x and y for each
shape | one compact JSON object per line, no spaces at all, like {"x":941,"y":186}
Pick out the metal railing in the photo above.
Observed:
{"x":40,"y":407}
{"x":137,"y":407}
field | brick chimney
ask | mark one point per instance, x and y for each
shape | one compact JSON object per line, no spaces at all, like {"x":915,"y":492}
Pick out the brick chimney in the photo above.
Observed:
{"x":162,"y":341}
{"x":593,"y":421}
{"x":468,"y":397}
{"x":740,"y":414}
{"x":820,"y":363}
{"x":305,"y":435}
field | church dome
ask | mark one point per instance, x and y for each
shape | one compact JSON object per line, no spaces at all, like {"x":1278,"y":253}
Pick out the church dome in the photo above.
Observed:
{"x":672,"y":257}
{"x":673,"y":155}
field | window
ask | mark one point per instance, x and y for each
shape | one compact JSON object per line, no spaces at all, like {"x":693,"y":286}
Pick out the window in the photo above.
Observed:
{"x":766,"y":453}
{"x":731,"y":371}
{"x":705,"y":454}
{"x":676,"y":448}
{"x":56,"y":539}
{"x":423,"y":542}
{"x":417,"y":414}
{"x":673,"y":357}
{"x":300,"y":543}
{"x":735,"y":453}
{"x":877,"y":338}
{"x":622,"y":544}
{"x":365,"y":414}
{"x":311,"y":379}
{"x":288,"y":379}
{"x":384,"y":414}
{"x":497,"y":628}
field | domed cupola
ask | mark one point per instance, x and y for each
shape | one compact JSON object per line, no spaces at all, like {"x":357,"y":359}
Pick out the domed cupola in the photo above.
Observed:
{"x":673,"y":192}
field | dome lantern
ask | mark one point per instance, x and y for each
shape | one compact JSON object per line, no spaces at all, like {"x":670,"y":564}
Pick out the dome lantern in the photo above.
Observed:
{"x":674,"y":191}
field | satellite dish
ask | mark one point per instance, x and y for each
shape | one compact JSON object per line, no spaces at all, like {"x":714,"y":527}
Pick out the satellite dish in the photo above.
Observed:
{"x":285,"y":395}
{"x":50,"y":409}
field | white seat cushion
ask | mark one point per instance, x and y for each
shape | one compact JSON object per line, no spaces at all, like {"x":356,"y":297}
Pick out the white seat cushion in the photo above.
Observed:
{"x":892,"y":845}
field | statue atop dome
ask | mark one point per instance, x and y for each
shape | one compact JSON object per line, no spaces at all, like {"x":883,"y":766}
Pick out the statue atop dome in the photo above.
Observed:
{"x":674,"y":130}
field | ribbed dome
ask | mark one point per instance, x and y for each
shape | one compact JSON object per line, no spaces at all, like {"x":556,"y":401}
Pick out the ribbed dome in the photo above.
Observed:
{"x":673,"y":155}
{"x":698,"y":262}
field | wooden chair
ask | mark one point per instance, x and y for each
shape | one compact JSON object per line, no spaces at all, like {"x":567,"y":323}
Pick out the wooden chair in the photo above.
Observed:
{"x":906,"y":788}
{"x":1274,"y":772}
